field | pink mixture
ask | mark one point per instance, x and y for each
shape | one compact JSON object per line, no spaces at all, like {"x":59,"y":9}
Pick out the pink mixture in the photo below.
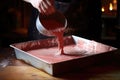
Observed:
{"x":79,"y":50}
{"x":57,"y":29}
{"x":51,"y":55}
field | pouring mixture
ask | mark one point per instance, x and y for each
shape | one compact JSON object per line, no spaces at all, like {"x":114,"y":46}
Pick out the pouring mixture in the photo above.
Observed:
{"x":55,"y":25}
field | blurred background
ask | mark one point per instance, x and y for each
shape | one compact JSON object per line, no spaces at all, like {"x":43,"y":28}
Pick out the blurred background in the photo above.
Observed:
{"x":91,"y":19}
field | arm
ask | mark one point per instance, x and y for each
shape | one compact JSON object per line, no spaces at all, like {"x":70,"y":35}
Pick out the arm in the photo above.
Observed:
{"x":43,"y":6}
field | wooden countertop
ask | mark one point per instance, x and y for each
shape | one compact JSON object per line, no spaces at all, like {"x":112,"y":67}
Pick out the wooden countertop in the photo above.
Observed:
{"x":13,"y":69}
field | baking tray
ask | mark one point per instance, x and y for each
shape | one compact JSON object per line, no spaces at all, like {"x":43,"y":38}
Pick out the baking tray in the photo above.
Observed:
{"x":79,"y":53}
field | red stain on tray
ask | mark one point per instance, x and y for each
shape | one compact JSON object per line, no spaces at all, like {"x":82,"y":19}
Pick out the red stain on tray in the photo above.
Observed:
{"x":74,"y":51}
{"x":50,"y":55}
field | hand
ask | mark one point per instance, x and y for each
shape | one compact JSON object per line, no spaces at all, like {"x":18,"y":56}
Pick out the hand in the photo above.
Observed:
{"x":47,"y":6}
{"x":43,"y":6}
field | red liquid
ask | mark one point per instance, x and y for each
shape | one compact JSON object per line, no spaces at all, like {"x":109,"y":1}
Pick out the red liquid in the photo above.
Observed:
{"x":59,"y":35}
{"x":57,"y":29}
{"x":51,"y":24}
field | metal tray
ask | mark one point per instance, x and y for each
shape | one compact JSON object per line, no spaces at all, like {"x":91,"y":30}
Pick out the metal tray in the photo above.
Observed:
{"x":80,"y":52}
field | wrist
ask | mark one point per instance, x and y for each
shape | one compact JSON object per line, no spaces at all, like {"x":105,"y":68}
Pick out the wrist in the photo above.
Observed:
{"x":27,"y":1}
{"x":34,"y":3}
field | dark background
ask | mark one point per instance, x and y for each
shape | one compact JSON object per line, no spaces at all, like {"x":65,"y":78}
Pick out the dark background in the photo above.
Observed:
{"x":84,"y":17}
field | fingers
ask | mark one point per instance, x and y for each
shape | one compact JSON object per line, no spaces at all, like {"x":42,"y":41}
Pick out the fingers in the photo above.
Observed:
{"x":46,"y":7}
{"x":48,"y":2}
{"x":43,"y":7}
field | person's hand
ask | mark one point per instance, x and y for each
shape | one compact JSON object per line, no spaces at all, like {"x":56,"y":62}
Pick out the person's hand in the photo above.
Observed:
{"x":43,"y":6}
